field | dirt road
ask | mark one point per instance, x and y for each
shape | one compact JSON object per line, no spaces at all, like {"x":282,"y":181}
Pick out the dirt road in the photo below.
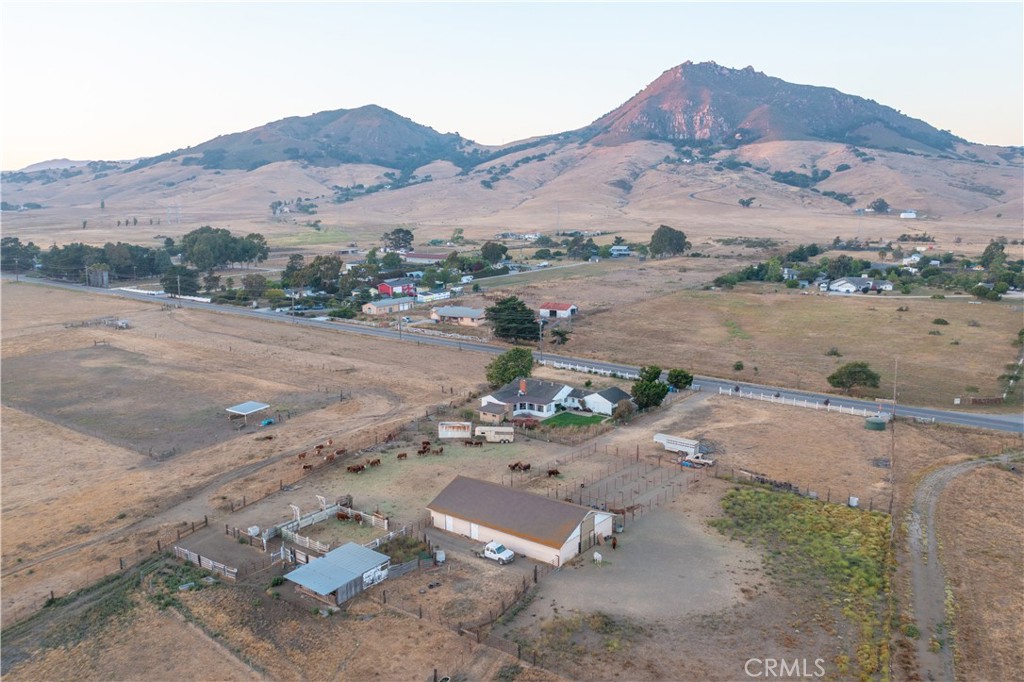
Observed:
{"x":934,"y":646}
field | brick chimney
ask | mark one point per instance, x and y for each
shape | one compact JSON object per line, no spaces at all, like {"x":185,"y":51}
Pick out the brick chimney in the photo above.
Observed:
{"x":522,"y":387}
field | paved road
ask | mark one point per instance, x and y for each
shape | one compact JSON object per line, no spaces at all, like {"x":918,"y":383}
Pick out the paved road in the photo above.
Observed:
{"x":1013,"y":423}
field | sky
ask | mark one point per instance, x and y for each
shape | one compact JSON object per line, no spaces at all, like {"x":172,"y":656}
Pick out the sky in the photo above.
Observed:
{"x":118,"y":81}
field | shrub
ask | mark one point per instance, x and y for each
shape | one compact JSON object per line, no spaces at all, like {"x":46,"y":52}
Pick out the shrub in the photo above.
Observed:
{"x":277,"y":580}
{"x":911,"y":631}
{"x":833,"y":352}
{"x":935,"y":332}
{"x":738,"y":365}
{"x":939,"y":320}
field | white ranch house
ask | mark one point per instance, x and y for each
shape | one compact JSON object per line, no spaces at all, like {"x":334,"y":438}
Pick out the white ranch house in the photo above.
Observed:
{"x":541,"y":399}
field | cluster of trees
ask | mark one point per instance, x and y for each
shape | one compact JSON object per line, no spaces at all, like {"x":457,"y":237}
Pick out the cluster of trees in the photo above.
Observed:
{"x":70,"y":261}
{"x":17,"y":257}
{"x":207,"y":248}
{"x":512,"y":320}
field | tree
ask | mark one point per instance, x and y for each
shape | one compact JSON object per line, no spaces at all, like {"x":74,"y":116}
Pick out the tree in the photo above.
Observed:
{"x":840,"y":267}
{"x":679,"y":379}
{"x":509,"y":366}
{"x":994,"y":254}
{"x":391,"y":261}
{"x":649,"y":390}
{"x":879,"y":206}
{"x":180,"y":280}
{"x":398,"y":239}
{"x":512,"y":320}
{"x":492,"y":252}
{"x":623,"y":410}
{"x":17,"y":257}
{"x":667,"y":241}
{"x":560,"y":336}
{"x":211,"y":281}
{"x":254,"y":285}
{"x":854,"y":374}
{"x":747,"y":203}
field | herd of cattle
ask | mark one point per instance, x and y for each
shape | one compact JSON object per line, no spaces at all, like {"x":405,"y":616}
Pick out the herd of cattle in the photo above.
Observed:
{"x":426,"y":448}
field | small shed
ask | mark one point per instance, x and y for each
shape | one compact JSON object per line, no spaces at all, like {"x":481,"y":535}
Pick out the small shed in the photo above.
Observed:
{"x":340,"y":574}
{"x":493,"y":413}
{"x":558,"y":309}
{"x":243,"y":410}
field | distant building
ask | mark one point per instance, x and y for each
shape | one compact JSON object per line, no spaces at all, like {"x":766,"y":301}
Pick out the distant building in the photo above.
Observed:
{"x":387,"y":306}
{"x":558,"y":310}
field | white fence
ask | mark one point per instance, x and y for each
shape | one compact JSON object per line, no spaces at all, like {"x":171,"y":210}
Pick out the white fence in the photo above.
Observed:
{"x":288,"y":530}
{"x":810,"y":404}
{"x":586,"y":369}
{"x":374,"y":544}
{"x":208,"y":564}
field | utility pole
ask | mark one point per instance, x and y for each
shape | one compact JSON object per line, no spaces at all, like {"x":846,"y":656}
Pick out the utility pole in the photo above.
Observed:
{"x":179,"y":286}
{"x":540,"y":340}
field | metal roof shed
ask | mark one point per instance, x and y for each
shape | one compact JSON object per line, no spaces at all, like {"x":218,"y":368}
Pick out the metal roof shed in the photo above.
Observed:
{"x":245,"y":409}
{"x":342,"y":573}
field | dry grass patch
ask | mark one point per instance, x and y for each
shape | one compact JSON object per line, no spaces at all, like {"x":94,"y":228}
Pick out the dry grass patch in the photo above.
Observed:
{"x":981,"y":531}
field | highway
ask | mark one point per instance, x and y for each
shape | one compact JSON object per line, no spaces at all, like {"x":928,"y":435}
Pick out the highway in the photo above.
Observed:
{"x":1013,"y":423}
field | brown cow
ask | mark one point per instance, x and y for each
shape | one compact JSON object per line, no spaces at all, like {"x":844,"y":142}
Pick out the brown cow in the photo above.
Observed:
{"x":340,"y":451}
{"x":553,"y":472}
{"x":525,"y":467}
{"x":330,"y":441}
{"x":341,"y":516}
{"x":356,"y":468}
{"x":374,"y":462}
{"x":307,"y":467}
{"x":319,"y":447}
{"x":302,"y":455}
{"x":517,"y":466}
{"x":402,"y":455}
{"x":328,"y":458}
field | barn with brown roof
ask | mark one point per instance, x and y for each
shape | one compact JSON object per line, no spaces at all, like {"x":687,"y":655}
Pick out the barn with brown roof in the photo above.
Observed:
{"x":538,"y":527}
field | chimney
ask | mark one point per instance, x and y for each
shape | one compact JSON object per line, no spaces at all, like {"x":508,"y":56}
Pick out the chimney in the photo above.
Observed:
{"x":522,"y":387}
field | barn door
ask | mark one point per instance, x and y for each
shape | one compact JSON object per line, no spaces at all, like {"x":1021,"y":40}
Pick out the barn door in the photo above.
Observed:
{"x":449,"y":524}
{"x":587,"y":533}
{"x":474,"y":531}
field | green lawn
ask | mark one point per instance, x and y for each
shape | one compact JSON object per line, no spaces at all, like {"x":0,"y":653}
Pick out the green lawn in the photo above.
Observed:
{"x":571,"y":419}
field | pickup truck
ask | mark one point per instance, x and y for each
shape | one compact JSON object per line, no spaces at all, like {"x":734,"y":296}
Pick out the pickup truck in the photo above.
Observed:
{"x":496,"y":552}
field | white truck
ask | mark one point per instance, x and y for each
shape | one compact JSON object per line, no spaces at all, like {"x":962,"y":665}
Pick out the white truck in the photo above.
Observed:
{"x":497,"y":434}
{"x":496,"y":551}
{"x":684,"y":446}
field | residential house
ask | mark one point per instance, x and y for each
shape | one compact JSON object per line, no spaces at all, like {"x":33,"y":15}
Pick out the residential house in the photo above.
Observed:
{"x":558,"y":310}
{"x":427,"y":296}
{"x":460,"y":315}
{"x":790,"y":273}
{"x":604,"y":402}
{"x":531,"y":397}
{"x":850,"y":285}
{"x":397,"y":286}
{"x":388,"y":306}
{"x":620,"y":251}
{"x":493,"y":413}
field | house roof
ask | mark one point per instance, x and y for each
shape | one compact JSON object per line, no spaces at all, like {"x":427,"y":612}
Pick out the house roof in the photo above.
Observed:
{"x":460,"y":311}
{"x":248,"y":408}
{"x":399,"y":281}
{"x":557,"y":306}
{"x":578,"y":393}
{"x":392,"y":301}
{"x":425,"y":256}
{"x":614,"y":394}
{"x":526,"y":515}
{"x":493,"y":408}
{"x":537,"y":391}
{"x":336,"y":568}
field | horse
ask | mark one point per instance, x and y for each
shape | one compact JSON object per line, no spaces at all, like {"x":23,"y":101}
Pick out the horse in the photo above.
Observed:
{"x":340,"y":451}
{"x":302,"y":455}
{"x":553,"y":472}
{"x":330,"y":441}
{"x":402,"y":455}
{"x":328,"y":458}
{"x":356,"y":468}
{"x":307,"y":467}
{"x":525,"y":467}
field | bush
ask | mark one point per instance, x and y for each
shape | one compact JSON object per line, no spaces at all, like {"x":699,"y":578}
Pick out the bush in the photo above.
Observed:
{"x":939,"y":320}
{"x":833,"y":352}
{"x":935,"y":332}
{"x":738,"y":366}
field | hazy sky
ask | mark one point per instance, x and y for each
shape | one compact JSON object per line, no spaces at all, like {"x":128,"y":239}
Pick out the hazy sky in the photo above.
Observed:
{"x":92,"y":80}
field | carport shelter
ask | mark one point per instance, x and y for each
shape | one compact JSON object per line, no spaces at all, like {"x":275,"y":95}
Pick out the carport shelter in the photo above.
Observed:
{"x":245,"y":409}
{"x":341,"y":574}
{"x":538,"y":527}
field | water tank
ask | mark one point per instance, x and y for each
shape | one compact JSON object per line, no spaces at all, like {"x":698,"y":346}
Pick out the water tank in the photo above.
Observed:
{"x":874,"y":424}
